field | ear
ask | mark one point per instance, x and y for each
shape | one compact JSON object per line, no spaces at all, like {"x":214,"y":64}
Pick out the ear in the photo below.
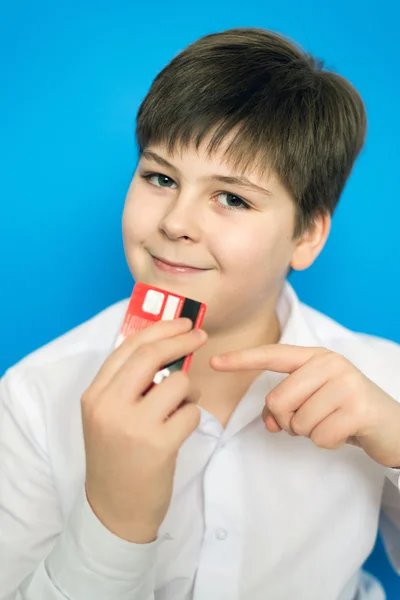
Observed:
{"x":310,"y":243}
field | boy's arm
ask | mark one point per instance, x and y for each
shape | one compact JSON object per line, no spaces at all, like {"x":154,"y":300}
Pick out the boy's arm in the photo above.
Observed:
{"x":41,"y":560}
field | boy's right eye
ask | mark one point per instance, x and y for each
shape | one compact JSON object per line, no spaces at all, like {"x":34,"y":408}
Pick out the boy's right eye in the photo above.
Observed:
{"x":159,"y":180}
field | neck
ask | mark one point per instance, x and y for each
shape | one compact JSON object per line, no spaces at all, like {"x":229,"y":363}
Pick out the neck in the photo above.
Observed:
{"x":262,"y":328}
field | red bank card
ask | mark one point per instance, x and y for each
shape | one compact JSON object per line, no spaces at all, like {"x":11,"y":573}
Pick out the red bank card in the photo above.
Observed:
{"x":148,"y":305}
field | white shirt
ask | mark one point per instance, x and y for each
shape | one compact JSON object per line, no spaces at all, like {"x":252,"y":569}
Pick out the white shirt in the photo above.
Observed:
{"x":253,"y":516}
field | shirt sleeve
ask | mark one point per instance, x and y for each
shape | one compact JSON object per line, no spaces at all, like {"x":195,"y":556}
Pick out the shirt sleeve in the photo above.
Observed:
{"x":41,"y":557}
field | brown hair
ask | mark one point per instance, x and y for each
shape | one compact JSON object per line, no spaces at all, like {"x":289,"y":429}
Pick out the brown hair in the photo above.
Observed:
{"x":286,"y":112}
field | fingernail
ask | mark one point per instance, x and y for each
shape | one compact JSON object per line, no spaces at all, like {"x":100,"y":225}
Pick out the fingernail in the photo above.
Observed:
{"x":186,"y":321}
{"x":200,"y":334}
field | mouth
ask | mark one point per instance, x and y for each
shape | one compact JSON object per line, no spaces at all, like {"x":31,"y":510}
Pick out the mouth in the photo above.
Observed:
{"x":173,"y":267}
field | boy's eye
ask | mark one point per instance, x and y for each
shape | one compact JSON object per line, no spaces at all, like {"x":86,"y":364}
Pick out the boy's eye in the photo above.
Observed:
{"x":232,"y":201}
{"x":160,"y":180}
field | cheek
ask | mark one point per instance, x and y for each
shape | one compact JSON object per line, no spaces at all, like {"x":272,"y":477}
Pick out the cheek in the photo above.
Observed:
{"x":244,"y":249}
{"x":140,"y":217}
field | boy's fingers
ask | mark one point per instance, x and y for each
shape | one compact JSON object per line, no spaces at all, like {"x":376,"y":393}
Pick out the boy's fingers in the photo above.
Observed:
{"x":280,"y":358}
{"x":270,"y":422}
{"x":182,"y":423}
{"x":166,"y":397}
{"x":298,"y":387}
{"x":161,"y":330}
{"x":137,"y":373}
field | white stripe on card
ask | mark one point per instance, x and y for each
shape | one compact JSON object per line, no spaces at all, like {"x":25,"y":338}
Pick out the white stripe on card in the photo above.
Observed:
{"x":170,"y":308}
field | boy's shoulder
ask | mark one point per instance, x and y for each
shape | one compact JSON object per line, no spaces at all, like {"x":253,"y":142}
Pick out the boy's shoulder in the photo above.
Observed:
{"x":378,"y":358}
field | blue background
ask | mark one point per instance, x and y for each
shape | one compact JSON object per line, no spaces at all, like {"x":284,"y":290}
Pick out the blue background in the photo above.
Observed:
{"x":74,"y":74}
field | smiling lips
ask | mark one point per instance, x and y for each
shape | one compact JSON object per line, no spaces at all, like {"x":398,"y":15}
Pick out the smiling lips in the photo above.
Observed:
{"x":171,"y":267}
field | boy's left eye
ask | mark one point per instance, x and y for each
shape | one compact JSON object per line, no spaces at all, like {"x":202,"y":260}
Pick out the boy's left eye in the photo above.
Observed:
{"x":232,"y":201}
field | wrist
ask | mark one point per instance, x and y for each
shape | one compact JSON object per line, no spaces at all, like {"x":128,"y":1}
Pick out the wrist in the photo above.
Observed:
{"x":135,"y":533}
{"x":130,"y":532}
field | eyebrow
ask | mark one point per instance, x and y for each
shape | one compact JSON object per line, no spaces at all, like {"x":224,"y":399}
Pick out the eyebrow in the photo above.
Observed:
{"x":241,"y":181}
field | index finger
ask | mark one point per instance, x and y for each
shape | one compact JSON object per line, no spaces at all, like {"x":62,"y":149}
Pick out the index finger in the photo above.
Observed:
{"x":280,"y":358}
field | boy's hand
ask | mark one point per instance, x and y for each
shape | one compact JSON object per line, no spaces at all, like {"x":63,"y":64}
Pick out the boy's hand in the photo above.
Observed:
{"x":131,"y":437}
{"x":325,"y":398}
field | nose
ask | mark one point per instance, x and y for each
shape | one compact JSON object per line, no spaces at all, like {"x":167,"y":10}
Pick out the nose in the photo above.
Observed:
{"x":181,"y":220}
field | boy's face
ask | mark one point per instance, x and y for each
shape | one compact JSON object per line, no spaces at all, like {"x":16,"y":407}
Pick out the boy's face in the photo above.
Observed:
{"x":237,"y":239}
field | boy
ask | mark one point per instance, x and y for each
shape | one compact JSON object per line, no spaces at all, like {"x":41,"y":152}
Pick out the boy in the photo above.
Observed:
{"x":109,"y":490}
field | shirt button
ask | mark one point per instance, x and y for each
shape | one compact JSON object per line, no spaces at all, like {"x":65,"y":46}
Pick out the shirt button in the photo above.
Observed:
{"x":221,"y":534}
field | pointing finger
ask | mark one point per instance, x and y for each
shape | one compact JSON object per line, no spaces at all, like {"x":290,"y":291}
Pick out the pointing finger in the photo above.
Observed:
{"x":280,"y":358}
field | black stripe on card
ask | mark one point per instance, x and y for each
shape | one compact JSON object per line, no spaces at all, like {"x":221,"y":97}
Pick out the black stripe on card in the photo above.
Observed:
{"x":190,"y":310}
